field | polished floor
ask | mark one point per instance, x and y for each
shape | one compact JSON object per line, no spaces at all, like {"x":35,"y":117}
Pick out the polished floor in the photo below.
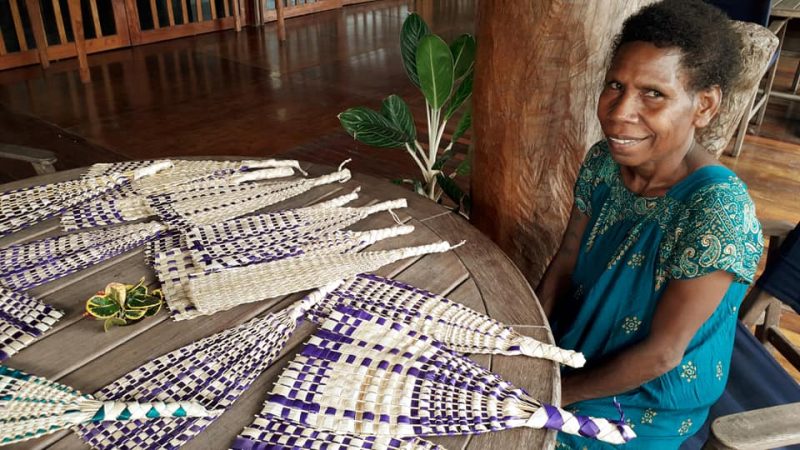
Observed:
{"x":245,"y":93}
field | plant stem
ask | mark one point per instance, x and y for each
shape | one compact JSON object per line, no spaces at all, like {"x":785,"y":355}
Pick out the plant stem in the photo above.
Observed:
{"x":425,"y":172}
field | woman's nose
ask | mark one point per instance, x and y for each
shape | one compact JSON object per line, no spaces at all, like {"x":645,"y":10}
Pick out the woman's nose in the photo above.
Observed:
{"x":625,"y":108}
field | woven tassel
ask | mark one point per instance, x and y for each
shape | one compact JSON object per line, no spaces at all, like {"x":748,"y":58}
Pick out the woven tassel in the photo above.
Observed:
{"x":32,"y":406}
{"x":27,"y":265}
{"x":366,"y":375}
{"x":213,"y":371}
{"x":456,"y":326}
{"x":274,"y":433}
{"x":23,"y":319}
{"x":218,"y":291}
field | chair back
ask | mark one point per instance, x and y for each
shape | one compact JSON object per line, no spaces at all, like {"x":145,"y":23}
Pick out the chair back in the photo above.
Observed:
{"x":781,"y":277}
{"x":755,"y":11}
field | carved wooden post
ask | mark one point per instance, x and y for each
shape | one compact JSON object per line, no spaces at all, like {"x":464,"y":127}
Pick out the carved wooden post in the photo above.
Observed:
{"x":539,"y":68}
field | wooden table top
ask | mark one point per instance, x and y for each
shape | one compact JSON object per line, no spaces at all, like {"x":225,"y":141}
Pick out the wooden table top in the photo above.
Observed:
{"x":78,"y":353}
{"x":785,"y":8}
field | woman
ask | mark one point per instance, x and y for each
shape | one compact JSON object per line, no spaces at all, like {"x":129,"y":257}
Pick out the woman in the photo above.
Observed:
{"x":662,"y":241}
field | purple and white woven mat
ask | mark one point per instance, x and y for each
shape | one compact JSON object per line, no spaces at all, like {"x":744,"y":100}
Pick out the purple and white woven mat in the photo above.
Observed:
{"x":213,"y":371}
{"x":458,"y":327}
{"x":24,"y":266}
{"x":23,"y":319}
{"x":274,"y":433}
{"x":366,"y":375}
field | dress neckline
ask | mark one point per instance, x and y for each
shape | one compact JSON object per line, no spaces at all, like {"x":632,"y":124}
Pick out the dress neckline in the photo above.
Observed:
{"x":670,"y":192}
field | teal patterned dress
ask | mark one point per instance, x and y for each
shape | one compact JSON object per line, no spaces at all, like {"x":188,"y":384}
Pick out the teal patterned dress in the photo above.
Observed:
{"x":631,"y":248}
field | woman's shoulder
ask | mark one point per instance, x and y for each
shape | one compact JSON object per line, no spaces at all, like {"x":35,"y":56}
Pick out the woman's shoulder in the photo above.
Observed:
{"x":598,"y":164}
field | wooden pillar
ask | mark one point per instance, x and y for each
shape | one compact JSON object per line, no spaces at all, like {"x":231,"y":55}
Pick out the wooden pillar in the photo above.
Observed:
{"x":80,"y":43}
{"x":35,"y":15}
{"x":281,"y":21}
{"x":539,"y":69}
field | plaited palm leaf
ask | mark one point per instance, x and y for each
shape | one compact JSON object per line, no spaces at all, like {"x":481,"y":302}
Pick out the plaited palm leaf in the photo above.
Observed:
{"x":23,"y":266}
{"x":459,"y":328}
{"x":267,"y":280}
{"x":205,"y":207}
{"x":274,"y":433}
{"x":213,"y":371}
{"x":32,"y":406}
{"x":23,"y":319}
{"x":309,"y":265}
{"x":24,"y":207}
{"x":136,"y":205}
{"x":367,"y":375}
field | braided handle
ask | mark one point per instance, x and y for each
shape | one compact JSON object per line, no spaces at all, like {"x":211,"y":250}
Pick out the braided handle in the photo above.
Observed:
{"x":372,"y":236}
{"x":385,"y":206}
{"x":263,"y":163}
{"x":340,"y":176}
{"x":264,"y":174}
{"x":152,"y":169}
{"x":338,"y":201}
{"x":531,"y":347}
{"x":555,"y":418}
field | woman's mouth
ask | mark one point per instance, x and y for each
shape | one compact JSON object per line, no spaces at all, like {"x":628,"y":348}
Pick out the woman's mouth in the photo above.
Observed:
{"x":624,"y":141}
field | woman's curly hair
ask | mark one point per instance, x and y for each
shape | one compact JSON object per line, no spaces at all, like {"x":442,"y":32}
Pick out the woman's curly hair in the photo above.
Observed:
{"x":704,"y":34}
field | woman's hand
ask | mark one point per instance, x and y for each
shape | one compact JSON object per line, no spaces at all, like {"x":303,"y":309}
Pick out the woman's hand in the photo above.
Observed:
{"x":556,"y":280}
{"x":684,"y":307}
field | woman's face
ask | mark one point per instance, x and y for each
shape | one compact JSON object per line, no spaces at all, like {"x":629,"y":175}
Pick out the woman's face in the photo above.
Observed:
{"x":645,"y":109}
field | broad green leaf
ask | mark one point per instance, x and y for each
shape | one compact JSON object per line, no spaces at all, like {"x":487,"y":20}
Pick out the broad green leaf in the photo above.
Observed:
{"x":112,"y":322}
{"x":102,"y":307}
{"x":152,"y":311}
{"x":414,"y":29}
{"x":442,"y":160}
{"x":396,"y":110}
{"x":450,"y":188}
{"x":463,"y":50}
{"x":463,"y":125}
{"x":463,"y":92}
{"x":144,"y":302}
{"x":464,"y":168}
{"x":371,"y":128}
{"x":117,"y":292}
{"x":134,"y":314}
{"x":419,"y":188}
{"x":435,"y":70}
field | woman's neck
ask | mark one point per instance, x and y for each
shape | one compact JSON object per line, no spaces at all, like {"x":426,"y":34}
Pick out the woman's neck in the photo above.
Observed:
{"x":655,"y":178}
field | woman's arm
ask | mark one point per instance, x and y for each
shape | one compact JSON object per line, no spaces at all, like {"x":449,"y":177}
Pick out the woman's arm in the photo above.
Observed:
{"x":684,"y":307}
{"x":556,"y":279}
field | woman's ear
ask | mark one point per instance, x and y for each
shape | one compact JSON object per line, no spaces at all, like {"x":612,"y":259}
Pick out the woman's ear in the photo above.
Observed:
{"x":708,"y":104}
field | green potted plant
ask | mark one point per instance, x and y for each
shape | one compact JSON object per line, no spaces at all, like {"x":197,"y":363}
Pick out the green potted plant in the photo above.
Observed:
{"x":444,"y":74}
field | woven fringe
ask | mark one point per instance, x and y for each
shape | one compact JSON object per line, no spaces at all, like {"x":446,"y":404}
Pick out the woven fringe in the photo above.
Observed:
{"x":31,"y":264}
{"x":274,"y":433}
{"x":23,"y":319}
{"x":213,"y":371}
{"x":456,"y":326}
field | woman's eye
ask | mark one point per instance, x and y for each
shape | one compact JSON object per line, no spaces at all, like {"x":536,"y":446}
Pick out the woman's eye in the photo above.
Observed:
{"x":653,"y":93}
{"x":614,"y":85}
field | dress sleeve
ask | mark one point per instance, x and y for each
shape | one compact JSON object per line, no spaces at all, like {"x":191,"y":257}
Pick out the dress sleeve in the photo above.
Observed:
{"x":718,"y":231}
{"x":590,"y":175}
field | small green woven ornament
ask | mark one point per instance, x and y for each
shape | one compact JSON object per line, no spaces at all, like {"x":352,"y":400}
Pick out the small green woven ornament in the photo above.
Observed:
{"x":124,"y":304}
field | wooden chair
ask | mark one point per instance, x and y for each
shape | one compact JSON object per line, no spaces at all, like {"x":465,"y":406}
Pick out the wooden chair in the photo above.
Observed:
{"x":760,"y":408}
{"x":42,"y":160}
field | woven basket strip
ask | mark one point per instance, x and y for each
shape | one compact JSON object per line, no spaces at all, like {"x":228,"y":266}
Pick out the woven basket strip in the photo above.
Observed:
{"x":275,"y":433}
{"x":169,"y":240}
{"x":173,"y":268}
{"x":261,"y":249}
{"x":99,"y":169}
{"x":24,"y":207}
{"x":23,"y":319}
{"x":238,"y":201}
{"x":460,"y":328}
{"x":266,"y":280}
{"x":54,"y":266}
{"x":364,"y":374}
{"x":213,"y":371}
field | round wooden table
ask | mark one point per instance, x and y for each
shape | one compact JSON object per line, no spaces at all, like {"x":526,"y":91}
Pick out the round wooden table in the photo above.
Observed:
{"x":78,"y":353}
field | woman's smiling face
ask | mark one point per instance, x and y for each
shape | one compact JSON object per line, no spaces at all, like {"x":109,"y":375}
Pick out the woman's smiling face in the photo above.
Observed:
{"x":645,"y":109}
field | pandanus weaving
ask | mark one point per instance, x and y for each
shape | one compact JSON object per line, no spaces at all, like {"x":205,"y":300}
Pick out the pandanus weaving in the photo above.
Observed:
{"x":27,"y":265}
{"x":459,"y":328}
{"x":267,"y":280}
{"x":23,"y":319}
{"x":213,"y":371}
{"x":191,"y":291}
{"x":111,"y":210}
{"x":32,"y":406}
{"x":213,"y":206}
{"x":367,"y":375}
{"x":274,"y":433}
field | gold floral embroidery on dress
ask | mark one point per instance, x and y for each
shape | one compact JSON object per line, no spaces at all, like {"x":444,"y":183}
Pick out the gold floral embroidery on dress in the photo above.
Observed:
{"x":719,"y":372}
{"x":636,"y":260}
{"x":689,"y":372}
{"x":630,"y":423}
{"x":686,"y":425}
{"x":631,"y":324}
{"x":648,"y":416}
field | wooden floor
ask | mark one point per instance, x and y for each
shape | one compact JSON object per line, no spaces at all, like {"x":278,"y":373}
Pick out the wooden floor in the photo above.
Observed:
{"x":245,"y":93}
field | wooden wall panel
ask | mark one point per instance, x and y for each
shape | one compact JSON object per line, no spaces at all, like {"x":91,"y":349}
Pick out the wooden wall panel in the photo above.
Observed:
{"x":539,"y":68}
